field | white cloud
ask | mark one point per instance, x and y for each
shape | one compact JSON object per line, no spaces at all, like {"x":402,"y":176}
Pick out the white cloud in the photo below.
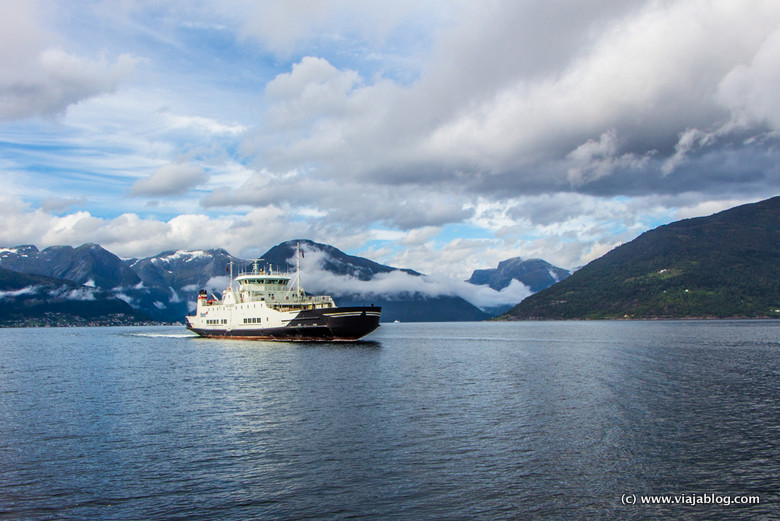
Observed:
{"x":170,"y":179}
{"x":129,"y":235}
{"x":64,"y":80}
{"x":284,"y":27}
{"x":596,"y":159}
{"x":40,"y":78}
{"x":750,"y":91}
{"x":83,"y":294}
{"x":217,"y":284}
{"x":28,"y":290}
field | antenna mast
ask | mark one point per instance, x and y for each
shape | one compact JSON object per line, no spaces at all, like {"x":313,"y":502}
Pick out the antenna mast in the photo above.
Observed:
{"x":298,"y":268}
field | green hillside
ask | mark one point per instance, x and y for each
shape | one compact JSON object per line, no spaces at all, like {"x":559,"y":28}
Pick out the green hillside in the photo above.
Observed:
{"x":721,"y":266}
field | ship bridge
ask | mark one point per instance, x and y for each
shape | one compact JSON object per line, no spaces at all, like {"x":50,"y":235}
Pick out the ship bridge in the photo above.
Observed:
{"x":277,"y":291}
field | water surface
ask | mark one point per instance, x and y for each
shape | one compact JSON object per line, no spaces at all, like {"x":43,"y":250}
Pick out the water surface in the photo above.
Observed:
{"x":543,"y":420}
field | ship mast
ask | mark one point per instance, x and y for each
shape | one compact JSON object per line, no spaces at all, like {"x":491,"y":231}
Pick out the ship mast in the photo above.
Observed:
{"x":298,"y":268}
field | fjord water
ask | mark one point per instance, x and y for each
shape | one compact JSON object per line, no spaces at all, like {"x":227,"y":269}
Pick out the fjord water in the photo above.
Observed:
{"x":543,"y":420}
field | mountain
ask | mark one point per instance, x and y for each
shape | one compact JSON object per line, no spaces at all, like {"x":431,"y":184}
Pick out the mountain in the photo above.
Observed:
{"x":724,"y":265}
{"x":170,"y":280}
{"x":89,"y":264}
{"x":93,"y":266}
{"x":165,"y":286}
{"x":334,"y":260}
{"x":29,"y":300}
{"x":418,"y":307}
{"x":536,"y":274}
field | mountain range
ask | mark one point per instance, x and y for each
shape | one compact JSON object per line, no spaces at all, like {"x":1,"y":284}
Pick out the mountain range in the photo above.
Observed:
{"x":164,"y":287}
{"x":723,"y":265}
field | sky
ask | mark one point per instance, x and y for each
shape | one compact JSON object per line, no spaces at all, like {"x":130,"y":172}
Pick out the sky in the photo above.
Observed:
{"x":440,"y":136}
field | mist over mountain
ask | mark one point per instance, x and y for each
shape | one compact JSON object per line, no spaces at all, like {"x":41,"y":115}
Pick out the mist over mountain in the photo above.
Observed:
{"x":405,"y":295}
{"x":45,"y":301}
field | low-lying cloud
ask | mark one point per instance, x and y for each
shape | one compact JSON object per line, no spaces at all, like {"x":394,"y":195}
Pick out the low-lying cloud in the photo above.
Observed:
{"x":315,"y":279}
{"x":83,"y":293}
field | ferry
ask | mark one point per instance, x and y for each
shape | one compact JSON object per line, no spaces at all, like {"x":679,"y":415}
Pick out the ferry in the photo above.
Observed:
{"x":265,"y":305}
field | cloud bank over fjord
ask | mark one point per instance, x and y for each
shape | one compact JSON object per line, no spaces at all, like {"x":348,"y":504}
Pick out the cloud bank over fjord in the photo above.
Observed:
{"x":316,"y":279}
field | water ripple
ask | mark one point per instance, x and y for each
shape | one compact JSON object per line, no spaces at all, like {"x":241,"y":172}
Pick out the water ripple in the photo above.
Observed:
{"x":423,"y":421}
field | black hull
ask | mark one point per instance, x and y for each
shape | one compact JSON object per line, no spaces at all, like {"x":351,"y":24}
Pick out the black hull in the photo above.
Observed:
{"x":313,"y":325}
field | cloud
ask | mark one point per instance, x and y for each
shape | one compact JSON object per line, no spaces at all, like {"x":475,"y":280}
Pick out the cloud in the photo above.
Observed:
{"x":401,"y":284}
{"x":127,"y":299}
{"x":18,"y":292}
{"x":284,"y":27}
{"x":63,"y":292}
{"x":172,"y":179}
{"x":83,"y":294}
{"x":40,"y":80}
{"x":58,"y":204}
{"x":749,"y":91}
{"x":603,"y":111}
{"x":129,"y":235}
{"x":217,"y":284}
{"x":596,"y":159}
{"x":405,"y":207}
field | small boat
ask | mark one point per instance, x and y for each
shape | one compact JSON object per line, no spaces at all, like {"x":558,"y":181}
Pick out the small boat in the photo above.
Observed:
{"x":265,"y":305}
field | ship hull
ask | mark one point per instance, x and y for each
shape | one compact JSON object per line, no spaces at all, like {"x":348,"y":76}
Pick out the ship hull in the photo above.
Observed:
{"x":315,"y":325}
